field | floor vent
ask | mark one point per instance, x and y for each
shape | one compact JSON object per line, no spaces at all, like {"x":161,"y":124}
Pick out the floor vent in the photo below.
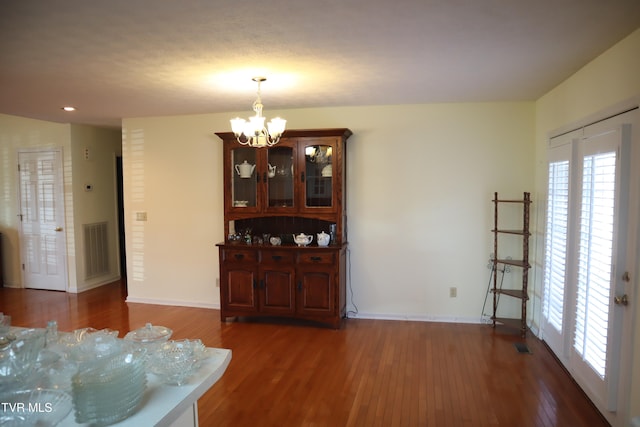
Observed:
{"x":96,"y":254}
{"x":522,"y":348}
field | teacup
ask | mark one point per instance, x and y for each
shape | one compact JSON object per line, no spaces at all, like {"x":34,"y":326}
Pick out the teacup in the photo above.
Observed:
{"x":275,"y":241}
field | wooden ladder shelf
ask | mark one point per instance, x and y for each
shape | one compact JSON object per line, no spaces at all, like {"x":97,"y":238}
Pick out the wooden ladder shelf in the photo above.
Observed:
{"x":523,"y":263}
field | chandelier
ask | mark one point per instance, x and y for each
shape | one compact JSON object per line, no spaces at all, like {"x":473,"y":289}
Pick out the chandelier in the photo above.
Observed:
{"x":253,"y":132}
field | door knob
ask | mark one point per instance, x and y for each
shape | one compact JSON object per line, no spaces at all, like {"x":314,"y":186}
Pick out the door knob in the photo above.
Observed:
{"x":623,"y":300}
{"x":58,"y":229}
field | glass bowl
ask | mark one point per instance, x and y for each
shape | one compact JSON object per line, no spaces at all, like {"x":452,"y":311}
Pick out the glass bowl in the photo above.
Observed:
{"x":149,"y":334}
{"x":5,"y":324}
{"x":149,"y":337}
{"x":86,"y":344}
{"x":19,"y":354}
{"x":174,"y":362}
{"x":35,"y":407}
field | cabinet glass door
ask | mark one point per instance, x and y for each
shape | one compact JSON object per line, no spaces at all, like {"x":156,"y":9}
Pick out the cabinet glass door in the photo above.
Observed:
{"x":280,"y":177}
{"x":244,"y":192}
{"x":318,"y":176}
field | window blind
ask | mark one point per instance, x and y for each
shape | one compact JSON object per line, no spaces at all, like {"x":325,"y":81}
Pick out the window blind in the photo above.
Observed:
{"x":595,"y":259}
{"x":556,"y":243}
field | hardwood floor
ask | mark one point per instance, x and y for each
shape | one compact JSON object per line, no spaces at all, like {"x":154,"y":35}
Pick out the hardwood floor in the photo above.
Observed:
{"x":369,"y":373}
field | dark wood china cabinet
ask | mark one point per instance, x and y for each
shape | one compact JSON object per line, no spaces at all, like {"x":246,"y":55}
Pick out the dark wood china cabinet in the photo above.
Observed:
{"x":296,"y":186}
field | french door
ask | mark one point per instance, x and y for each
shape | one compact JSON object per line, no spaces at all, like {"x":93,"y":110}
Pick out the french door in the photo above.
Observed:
{"x":42,"y":235}
{"x":589,"y":255}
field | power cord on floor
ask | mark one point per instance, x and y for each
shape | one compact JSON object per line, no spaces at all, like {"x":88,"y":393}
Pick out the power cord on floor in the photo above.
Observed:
{"x":354,"y":312}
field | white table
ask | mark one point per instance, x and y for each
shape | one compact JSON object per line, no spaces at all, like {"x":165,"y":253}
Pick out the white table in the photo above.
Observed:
{"x":169,"y":405}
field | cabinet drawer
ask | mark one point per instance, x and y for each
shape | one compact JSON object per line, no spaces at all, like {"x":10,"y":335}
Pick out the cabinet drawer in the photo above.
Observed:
{"x":277,"y":257}
{"x":239,"y":255}
{"x":316,"y":257}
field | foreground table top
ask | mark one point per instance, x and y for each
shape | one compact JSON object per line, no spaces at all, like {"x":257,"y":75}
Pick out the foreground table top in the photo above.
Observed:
{"x":163,"y":404}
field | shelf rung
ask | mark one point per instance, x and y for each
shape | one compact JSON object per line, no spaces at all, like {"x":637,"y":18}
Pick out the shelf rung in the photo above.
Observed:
{"x":516,"y":293}
{"x":511,"y":201}
{"x":516,"y":262}
{"x":518,"y":232}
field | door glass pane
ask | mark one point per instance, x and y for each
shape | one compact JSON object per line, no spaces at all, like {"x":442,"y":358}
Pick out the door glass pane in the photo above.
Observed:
{"x":595,"y":259}
{"x":280,"y":177}
{"x":243,"y":180}
{"x":318,"y":176}
{"x":556,"y":243}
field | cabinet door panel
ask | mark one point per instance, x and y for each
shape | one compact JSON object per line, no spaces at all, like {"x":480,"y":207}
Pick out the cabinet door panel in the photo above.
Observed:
{"x":238,"y":289}
{"x":318,"y":163}
{"x":277,"y":290}
{"x":280,"y":178}
{"x":316,"y":292}
{"x":243,"y":179}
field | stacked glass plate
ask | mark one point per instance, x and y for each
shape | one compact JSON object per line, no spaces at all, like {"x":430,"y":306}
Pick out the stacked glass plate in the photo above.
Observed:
{"x":109,"y":390}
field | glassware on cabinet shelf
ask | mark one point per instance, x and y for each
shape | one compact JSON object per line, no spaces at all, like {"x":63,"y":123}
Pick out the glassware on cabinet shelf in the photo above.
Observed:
{"x":243,"y":181}
{"x":318,"y":176}
{"x":281,"y":177}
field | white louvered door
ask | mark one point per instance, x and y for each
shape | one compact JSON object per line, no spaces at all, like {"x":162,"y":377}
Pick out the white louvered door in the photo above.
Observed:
{"x":599,"y":247}
{"x":557,"y":237}
{"x":589,"y":240}
{"x":42,"y":227}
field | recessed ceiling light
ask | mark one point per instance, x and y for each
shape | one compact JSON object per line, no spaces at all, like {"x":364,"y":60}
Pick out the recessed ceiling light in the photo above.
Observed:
{"x":69,"y":108}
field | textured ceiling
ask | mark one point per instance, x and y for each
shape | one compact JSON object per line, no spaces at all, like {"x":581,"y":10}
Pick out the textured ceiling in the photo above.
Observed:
{"x":134,"y":58}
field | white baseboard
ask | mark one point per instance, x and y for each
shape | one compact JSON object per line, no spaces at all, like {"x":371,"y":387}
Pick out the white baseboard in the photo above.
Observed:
{"x":12,"y":285}
{"x":97,"y":284}
{"x":415,"y":317}
{"x":196,"y":304}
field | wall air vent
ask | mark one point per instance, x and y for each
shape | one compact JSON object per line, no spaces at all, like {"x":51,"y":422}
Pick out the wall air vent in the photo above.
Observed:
{"x":96,"y":254}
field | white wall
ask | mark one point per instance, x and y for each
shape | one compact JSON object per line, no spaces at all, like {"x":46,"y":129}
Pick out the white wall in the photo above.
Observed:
{"x":419,"y":188}
{"x":607,"y":85}
{"x":173,"y":172}
{"x":99,"y":204}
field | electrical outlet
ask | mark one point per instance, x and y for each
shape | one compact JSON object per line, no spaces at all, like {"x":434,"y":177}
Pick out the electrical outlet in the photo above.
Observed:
{"x":453,"y":292}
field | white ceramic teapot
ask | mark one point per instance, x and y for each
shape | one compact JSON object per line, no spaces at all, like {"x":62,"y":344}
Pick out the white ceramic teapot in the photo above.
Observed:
{"x":302,"y":239}
{"x":245,"y":169}
{"x":323,"y":239}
